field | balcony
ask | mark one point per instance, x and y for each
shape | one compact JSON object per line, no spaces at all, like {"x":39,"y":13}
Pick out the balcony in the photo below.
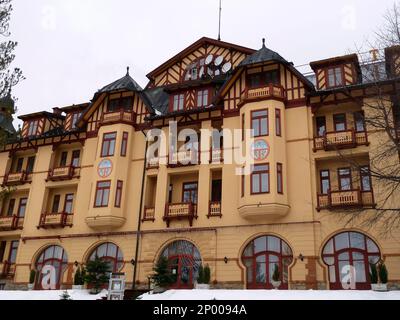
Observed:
{"x":184,"y":158}
{"x":117,"y":116}
{"x":214,"y":209}
{"x":346,"y":199}
{"x":17,"y":178}
{"x":178,"y":211}
{"x":55,"y":220}
{"x":262,"y":93}
{"x":340,"y":140}
{"x":11,"y":223}
{"x":62,"y":173}
{"x":153,"y":163}
{"x":7,"y":270}
{"x":216,"y":156}
{"x":148,"y":214}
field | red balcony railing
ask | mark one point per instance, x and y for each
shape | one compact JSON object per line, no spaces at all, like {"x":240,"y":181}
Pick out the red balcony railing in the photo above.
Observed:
{"x":7,"y":270}
{"x":184,"y":158}
{"x":214,"y":209}
{"x":11,"y":223}
{"x":346,"y":199}
{"x":178,"y":211}
{"x":117,"y":116}
{"x":62,"y":173}
{"x":16,"y":178}
{"x":340,"y":140}
{"x":55,"y":220}
{"x":261,"y":93}
{"x":148,"y":214}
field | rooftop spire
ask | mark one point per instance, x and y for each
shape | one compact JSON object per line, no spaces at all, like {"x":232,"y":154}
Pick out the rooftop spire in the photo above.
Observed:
{"x":127,"y":70}
{"x":263,"y":42}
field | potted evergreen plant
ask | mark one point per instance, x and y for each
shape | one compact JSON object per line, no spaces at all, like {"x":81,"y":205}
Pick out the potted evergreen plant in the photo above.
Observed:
{"x":97,"y":274}
{"x":32,"y":277}
{"x":378,"y":277}
{"x":276,"y":278}
{"x":162,"y":277}
{"x":203,"y":279}
{"x":79,"y":280}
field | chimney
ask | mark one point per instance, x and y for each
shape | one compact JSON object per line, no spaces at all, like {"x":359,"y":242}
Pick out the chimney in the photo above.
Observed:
{"x":57,"y":111}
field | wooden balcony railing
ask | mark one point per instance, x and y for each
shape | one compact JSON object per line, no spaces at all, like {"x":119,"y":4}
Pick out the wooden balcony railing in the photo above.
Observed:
{"x":340,"y":140}
{"x":55,"y":220}
{"x":346,"y":199}
{"x":214,"y":209}
{"x":117,"y":116}
{"x":148,"y":214}
{"x":62,"y":173}
{"x":16,"y":178}
{"x":177,"y":211}
{"x":216,"y":156}
{"x":11,"y":223}
{"x":261,"y":93}
{"x":183,"y":158}
{"x":7,"y":270}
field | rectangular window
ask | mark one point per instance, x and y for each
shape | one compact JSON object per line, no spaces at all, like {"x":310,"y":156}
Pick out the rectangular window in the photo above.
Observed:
{"x":12,"y":258}
{"x":124,"y":144}
{"x":74,"y":119}
{"x":260,"y":179}
{"x":33,"y":127}
{"x":118,"y":194}
{"x":178,"y":102}
{"x":271,"y":77}
{"x":202,"y":98}
{"x":344,"y":177}
{"x":325,"y":181}
{"x":102,"y":194}
{"x":216,"y":190}
{"x":108,"y":145}
{"x":335,"y":77}
{"x":2,"y":250}
{"x":189,"y":193}
{"x":321,"y":126}
{"x":365,"y":178}
{"x":11,"y":205}
{"x":259,"y":123}
{"x":359,"y":123}
{"x":30,"y":164}
{"x":20,"y":163}
{"x":279,"y":177}
{"x":278,"y":128}
{"x":263,"y":79}
{"x":68,"y":203}
{"x":63,"y":159}
{"x":22,"y":207}
{"x":56,"y":204}
{"x":76,"y":154}
{"x":254,"y":80}
{"x":339,"y":122}
{"x":124,"y":103}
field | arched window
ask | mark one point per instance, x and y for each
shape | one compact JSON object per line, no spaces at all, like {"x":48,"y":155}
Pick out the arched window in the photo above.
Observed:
{"x":184,"y":261}
{"x":111,"y":253}
{"x":52,"y":259}
{"x":260,"y":258}
{"x":350,"y":249}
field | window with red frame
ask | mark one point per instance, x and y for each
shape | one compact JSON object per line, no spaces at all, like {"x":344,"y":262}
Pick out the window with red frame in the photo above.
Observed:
{"x":63,"y":159}
{"x":278,"y":128}
{"x":118,"y":194}
{"x":339,"y":122}
{"x":123,"y":103}
{"x":203,"y":98}
{"x":108,"y":145}
{"x":12,"y":257}
{"x":359,"y":123}
{"x":11,"y":205}
{"x":74,"y":119}
{"x":259,"y":123}
{"x":33,"y":127}
{"x":68,"y":203}
{"x":344,"y":177}
{"x":102,"y":194}
{"x":260,"y":178}
{"x":325,"y":181}
{"x":56,"y":204}
{"x":279,"y":176}
{"x":22,"y":207}
{"x":335,"y":77}
{"x":124,"y":144}
{"x":365,"y":178}
{"x":263,"y":79}
{"x":76,"y":154}
{"x":178,"y":102}
{"x":30,"y":164}
{"x":20,"y":162}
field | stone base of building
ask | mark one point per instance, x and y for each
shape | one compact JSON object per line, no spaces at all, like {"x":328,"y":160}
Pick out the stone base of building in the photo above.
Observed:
{"x":6,"y":284}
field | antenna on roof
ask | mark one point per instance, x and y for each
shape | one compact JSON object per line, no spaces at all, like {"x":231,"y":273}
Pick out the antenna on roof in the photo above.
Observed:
{"x":219,"y":23}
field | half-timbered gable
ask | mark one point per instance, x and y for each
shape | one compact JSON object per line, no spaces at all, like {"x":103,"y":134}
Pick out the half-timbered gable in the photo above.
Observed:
{"x":37,"y":124}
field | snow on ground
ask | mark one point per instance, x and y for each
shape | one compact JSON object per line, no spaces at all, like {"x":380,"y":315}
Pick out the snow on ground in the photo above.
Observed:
{"x":49,"y":295}
{"x":272,"y":295}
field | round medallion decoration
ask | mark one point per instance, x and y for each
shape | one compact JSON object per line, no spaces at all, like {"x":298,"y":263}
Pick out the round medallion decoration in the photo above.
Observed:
{"x":104,"y":168}
{"x":260,"y":149}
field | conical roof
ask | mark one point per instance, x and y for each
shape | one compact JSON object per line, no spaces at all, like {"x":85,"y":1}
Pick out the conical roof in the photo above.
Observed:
{"x":262,"y":55}
{"x":125,"y":83}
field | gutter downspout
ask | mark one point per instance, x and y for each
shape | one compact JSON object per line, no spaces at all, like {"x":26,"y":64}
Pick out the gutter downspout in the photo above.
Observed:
{"x":138,"y":231}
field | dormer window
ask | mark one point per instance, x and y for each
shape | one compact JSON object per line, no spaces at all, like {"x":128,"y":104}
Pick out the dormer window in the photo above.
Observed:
{"x":263,"y":79}
{"x":178,"y":102}
{"x":75,"y":118}
{"x":203,"y":98}
{"x":124,"y":103}
{"x":335,"y":77}
{"x":33,"y":127}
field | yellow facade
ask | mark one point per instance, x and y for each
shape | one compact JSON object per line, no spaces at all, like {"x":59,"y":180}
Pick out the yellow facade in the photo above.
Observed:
{"x":220,"y":233}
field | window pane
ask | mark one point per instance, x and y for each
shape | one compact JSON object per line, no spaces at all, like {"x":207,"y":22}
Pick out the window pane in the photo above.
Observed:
{"x":357,"y":240}
{"x":274,"y":244}
{"x":360,"y":271}
{"x":256,"y":127}
{"x":106,"y":194}
{"x":98,"y":198}
{"x":341,"y":241}
{"x":328,"y":247}
{"x":261,"y":113}
{"x":260,"y":245}
{"x":264,"y":127}
{"x":264,"y":182}
{"x":371,"y":246}
{"x":255,"y":180}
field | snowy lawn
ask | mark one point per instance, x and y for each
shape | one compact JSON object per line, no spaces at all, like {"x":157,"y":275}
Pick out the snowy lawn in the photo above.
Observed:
{"x":49,"y":295}
{"x":272,"y":295}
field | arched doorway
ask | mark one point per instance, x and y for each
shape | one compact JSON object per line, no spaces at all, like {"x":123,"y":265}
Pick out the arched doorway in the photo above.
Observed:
{"x":111,"y":253}
{"x":260,"y":257}
{"x":184,"y":261}
{"x":50,"y":267}
{"x":350,"y":249}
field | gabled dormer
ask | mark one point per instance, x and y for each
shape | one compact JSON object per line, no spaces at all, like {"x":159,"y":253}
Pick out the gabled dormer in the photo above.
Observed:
{"x":337,"y":72}
{"x":72,"y":115}
{"x":39,"y":123}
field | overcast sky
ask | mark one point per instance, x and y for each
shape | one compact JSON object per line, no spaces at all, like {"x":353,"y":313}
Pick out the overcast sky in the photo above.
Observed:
{"x":69,"y":49}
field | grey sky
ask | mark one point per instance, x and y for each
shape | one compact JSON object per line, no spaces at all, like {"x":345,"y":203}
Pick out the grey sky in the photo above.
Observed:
{"x":69,"y":49}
